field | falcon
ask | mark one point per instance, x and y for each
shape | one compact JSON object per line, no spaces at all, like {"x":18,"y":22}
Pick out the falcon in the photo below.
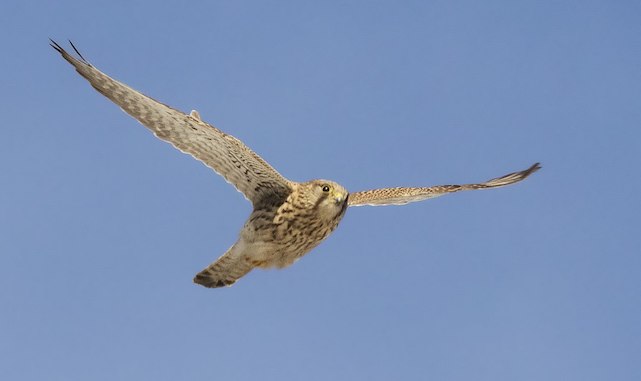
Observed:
{"x":289,"y":218}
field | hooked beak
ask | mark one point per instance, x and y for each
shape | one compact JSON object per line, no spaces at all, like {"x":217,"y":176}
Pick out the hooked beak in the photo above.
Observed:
{"x":339,"y":197}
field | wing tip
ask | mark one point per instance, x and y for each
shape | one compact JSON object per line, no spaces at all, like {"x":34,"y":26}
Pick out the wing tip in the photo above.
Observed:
{"x":535,"y":167}
{"x":56,"y":46}
{"x":511,"y":178}
{"x":66,"y":54}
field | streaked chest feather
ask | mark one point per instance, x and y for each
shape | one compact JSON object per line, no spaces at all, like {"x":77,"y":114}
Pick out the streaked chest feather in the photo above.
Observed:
{"x":285,"y":233}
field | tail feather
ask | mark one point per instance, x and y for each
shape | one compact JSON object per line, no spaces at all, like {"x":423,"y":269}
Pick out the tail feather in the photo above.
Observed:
{"x":226,"y":270}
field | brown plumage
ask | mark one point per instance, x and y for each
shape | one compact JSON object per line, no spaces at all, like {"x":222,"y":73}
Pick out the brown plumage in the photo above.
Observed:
{"x":289,"y":218}
{"x":402,"y":196}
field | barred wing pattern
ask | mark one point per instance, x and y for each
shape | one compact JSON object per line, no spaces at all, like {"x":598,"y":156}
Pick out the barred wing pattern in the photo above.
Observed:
{"x":401,"y":196}
{"x":223,"y":153}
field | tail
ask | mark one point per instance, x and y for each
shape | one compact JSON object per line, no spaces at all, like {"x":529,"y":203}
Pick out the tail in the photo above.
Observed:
{"x":226,"y":270}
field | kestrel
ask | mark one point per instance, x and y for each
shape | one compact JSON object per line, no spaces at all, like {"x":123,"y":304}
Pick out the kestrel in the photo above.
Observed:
{"x":289,"y":218}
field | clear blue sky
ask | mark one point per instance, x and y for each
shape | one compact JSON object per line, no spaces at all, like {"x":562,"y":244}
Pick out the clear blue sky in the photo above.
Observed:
{"x":103,"y":226}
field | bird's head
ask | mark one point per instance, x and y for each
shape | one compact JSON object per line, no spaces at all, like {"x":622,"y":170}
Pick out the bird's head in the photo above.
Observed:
{"x":329,"y":197}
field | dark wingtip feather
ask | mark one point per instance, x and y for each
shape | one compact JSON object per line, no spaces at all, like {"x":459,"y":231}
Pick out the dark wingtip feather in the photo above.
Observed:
{"x":66,"y":54}
{"x":78,"y":52}
{"x":535,"y":167}
{"x":55,"y":45}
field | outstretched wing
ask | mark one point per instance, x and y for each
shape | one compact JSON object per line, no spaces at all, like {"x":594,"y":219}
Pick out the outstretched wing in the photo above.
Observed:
{"x":401,"y":196}
{"x":223,"y":153}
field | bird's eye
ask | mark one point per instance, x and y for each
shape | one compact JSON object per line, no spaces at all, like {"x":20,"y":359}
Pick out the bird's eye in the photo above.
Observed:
{"x":325,"y":188}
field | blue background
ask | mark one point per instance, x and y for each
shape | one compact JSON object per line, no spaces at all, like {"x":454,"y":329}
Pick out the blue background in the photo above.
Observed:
{"x":102,"y":226}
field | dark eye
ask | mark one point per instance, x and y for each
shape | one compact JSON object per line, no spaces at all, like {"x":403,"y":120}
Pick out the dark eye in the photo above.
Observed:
{"x":325,"y":188}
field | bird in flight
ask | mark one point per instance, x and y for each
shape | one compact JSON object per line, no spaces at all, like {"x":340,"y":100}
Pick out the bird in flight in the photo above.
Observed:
{"x":289,"y":218}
